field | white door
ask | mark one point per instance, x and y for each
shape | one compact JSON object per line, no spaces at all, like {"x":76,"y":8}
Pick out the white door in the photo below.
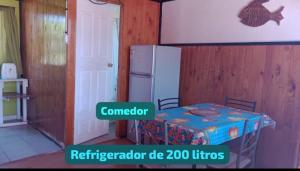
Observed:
{"x":94,"y":67}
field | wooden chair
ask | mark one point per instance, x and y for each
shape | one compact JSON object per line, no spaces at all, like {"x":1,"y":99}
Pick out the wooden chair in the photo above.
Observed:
{"x":246,"y":157}
{"x":169,"y":103}
{"x":240,"y":104}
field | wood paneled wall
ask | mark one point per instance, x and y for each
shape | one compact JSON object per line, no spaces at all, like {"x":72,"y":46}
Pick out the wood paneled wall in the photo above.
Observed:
{"x":139,"y":25}
{"x":268,"y":74}
{"x":44,"y":59}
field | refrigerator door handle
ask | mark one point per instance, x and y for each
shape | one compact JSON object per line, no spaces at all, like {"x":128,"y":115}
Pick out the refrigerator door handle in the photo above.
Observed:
{"x":141,"y":75}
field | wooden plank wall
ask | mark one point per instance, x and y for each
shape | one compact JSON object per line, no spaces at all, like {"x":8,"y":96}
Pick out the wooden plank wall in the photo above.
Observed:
{"x":137,"y":27}
{"x":268,"y":74}
{"x":44,"y":59}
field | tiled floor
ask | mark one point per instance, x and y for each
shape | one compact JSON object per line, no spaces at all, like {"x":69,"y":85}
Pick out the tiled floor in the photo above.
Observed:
{"x":23,"y":141}
{"x":57,"y":160}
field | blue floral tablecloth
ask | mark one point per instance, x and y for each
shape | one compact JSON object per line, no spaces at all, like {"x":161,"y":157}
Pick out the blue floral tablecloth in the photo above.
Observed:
{"x":220,"y":125}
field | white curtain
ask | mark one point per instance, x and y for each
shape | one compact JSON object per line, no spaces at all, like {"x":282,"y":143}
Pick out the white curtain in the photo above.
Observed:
{"x":3,"y":57}
{"x":10,"y":38}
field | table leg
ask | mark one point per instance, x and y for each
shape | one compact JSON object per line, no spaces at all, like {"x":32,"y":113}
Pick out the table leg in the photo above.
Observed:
{"x":142,"y":138}
{"x":142,"y":143}
{"x":1,"y":104}
{"x":18,"y":101}
{"x":24,"y":101}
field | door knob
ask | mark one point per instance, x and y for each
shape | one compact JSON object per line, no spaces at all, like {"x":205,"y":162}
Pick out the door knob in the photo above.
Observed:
{"x":110,"y":65}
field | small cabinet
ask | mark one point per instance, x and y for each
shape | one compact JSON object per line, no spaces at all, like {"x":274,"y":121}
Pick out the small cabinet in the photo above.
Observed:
{"x":21,"y":96}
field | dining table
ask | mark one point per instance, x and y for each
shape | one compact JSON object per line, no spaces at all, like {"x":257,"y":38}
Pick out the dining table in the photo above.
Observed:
{"x":204,"y":124}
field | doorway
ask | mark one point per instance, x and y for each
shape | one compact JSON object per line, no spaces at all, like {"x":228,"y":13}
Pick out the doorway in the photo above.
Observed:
{"x":22,"y":139}
{"x":96,"y":70}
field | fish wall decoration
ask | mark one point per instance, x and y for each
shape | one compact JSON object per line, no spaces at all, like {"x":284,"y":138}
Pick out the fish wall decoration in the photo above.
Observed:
{"x":255,"y":14}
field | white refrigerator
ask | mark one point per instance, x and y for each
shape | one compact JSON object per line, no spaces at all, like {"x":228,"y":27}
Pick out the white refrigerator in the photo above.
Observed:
{"x":154,"y":74}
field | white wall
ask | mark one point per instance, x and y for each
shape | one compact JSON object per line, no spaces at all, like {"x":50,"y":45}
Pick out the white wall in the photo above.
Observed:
{"x":217,"y":21}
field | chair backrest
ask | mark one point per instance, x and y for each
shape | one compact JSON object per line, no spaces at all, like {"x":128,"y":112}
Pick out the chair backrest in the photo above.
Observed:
{"x":249,"y":143}
{"x":169,"y":103}
{"x":240,"y":104}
